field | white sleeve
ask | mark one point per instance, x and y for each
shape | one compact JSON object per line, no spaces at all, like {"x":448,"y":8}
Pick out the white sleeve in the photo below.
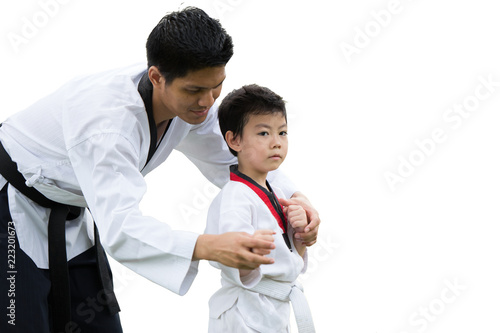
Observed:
{"x":206,"y":148}
{"x":277,"y":178}
{"x":232,"y":212}
{"x":107,"y":168}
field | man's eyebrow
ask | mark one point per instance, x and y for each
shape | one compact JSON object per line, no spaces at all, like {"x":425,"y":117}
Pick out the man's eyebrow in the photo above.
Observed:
{"x":199,"y":87}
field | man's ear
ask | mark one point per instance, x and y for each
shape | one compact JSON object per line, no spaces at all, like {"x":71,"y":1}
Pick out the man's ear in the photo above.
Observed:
{"x":234,"y":142}
{"x":155,"y":76}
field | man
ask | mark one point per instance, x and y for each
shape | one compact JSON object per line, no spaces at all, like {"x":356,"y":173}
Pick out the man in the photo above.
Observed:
{"x":86,"y":148}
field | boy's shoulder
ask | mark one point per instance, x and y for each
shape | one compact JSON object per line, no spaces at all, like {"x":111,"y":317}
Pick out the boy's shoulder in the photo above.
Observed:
{"x":235,"y":189}
{"x":234,"y":197}
{"x":236,"y":193}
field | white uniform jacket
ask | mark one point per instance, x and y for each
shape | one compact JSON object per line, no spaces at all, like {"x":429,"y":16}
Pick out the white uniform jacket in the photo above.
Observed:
{"x":234,"y":308}
{"x":86,"y":145}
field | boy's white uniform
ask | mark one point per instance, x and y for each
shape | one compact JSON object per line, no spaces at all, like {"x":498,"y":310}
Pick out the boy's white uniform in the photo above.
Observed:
{"x":234,"y":308}
{"x":86,"y":145}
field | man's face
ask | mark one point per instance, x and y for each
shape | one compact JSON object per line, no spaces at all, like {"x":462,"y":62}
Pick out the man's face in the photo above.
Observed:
{"x":190,"y":97}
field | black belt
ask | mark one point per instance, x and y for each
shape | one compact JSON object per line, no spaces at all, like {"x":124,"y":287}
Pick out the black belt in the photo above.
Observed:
{"x":58,"y":262}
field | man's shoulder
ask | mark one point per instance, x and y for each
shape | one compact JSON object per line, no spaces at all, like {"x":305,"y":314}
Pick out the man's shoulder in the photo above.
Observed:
{"x":109,"y":89}
{"x":132,"y":70}
{"x":116,"y":80}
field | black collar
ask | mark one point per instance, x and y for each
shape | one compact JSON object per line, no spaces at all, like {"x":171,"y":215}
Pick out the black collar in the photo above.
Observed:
{"x":145,"y":89}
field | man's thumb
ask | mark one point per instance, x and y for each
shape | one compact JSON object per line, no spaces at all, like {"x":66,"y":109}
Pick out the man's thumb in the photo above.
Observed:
{"x":285,"y":202}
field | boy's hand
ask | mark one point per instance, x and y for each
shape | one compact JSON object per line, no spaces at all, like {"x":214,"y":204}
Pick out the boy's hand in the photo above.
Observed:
{"x":310,"y":234}
{"x":296,"y":217}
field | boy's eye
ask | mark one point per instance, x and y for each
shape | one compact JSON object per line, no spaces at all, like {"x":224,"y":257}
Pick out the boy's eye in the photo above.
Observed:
{"x":263,"y":133}
{"x":283,"y":133}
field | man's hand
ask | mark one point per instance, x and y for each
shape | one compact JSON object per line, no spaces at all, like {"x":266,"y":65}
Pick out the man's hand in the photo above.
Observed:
{"x":235,"y":249}
{"x":266,"y":235}
{"x":310,"y":234}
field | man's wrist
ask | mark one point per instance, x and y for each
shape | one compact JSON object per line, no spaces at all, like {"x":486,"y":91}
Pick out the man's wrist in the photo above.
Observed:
{"x":301,"y":248}
{"x":202,"y":247}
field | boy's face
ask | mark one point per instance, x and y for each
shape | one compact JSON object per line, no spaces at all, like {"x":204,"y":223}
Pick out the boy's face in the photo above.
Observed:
{"x":263,"y":144}
{"x":190,"y":97}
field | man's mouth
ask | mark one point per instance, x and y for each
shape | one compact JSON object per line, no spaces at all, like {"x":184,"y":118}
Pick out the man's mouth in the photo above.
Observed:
{"x":201,"y":112}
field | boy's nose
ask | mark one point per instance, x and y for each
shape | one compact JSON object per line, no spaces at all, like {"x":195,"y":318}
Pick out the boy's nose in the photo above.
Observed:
{"x":276,"y":142}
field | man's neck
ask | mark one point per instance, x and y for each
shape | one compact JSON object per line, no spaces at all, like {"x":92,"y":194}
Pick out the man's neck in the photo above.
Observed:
{"x":160,"y":111}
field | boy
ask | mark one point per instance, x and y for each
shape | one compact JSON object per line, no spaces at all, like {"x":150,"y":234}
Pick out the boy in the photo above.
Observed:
{"x":254,"y":124}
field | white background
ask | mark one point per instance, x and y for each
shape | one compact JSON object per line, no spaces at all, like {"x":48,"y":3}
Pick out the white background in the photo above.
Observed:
{"x":386,"y":257}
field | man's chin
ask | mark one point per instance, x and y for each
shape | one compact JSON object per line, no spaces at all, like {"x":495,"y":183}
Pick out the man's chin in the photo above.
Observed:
{"x":196,"y":117}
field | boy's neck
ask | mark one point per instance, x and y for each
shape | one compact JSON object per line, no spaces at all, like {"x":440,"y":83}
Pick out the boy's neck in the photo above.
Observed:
{"x":258,"y":177}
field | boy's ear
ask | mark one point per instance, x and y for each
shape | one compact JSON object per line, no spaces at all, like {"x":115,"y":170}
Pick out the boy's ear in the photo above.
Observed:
{"x":234,"y":142}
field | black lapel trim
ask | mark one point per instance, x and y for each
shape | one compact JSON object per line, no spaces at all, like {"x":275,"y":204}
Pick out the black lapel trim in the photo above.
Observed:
{"x":145,"y":89}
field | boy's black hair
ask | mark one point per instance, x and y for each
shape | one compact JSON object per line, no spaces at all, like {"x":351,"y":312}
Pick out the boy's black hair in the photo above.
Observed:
{"x":238,"y":105}
{"x":187,"y":40}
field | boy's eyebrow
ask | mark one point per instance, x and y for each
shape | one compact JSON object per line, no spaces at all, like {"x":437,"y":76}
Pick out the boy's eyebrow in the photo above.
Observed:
{"x":199,"y":87}
{"x":268,"y":126}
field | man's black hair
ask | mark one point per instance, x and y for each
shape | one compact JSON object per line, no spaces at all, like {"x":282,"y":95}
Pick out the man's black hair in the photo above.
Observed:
{"x":187,"y":40}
